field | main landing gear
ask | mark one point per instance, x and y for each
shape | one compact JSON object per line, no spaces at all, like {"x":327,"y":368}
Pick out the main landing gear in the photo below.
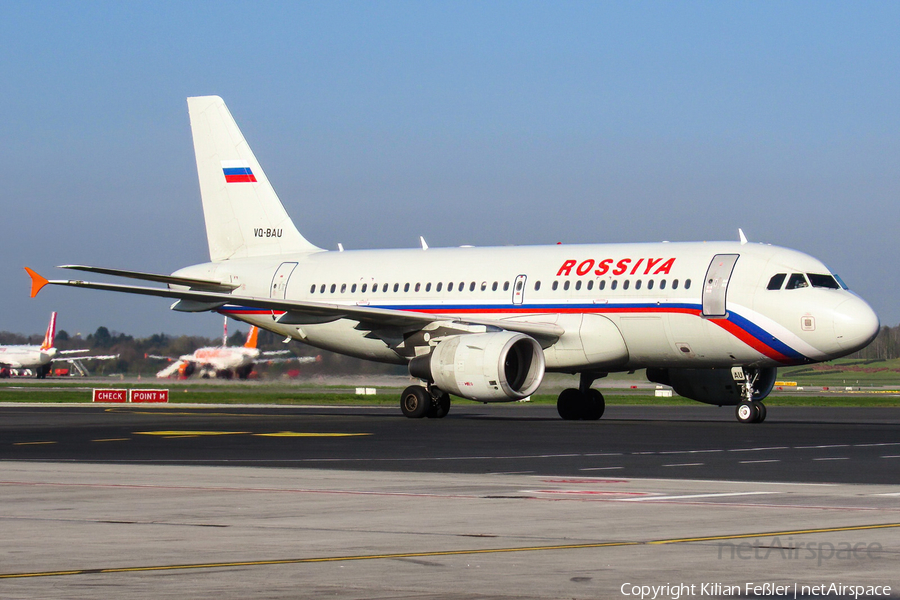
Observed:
{"x":417,"y":402}
{"x":585,"y":403}
{"x":749,"y":410}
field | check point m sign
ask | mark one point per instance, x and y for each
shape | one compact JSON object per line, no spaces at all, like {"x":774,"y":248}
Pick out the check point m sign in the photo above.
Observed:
{"x":123,"y":395}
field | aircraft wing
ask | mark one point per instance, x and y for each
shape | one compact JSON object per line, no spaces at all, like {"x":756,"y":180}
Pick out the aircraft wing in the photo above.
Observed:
{"x":170,"y":370}
{"x":303,"y":312}
{"x":73,"y":351}
{"x":199,"y":284}
{"x":83,"y":358}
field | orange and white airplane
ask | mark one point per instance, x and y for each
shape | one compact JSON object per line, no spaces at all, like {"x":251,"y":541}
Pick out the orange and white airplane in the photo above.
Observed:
{"x":714,"y":320}
{"x":39,"y":359}
{"x":223,"y":361}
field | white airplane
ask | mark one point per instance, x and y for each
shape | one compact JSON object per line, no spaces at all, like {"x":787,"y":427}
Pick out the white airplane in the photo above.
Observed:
{"x":223,"y":361}
{"x":713,"y":320}
{"x":39,"y":359}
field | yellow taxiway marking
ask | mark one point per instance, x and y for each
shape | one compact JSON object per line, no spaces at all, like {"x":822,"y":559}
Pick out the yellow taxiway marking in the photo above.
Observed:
{"x":296,"y":434}
{"x":181,"y":434}
{"x":112,"y":440}
{"x":323,"y":559}
{"x":31,"y":443}
{"x":190,"y":433}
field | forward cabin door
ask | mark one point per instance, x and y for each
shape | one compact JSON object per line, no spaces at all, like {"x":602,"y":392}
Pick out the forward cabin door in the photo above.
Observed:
{"x":518,"y":295}
{"x":280,"y":280}
{"x":715,"y":285}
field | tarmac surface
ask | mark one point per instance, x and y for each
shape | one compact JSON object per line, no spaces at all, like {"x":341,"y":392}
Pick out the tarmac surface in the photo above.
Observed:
{"x":490,"y":502}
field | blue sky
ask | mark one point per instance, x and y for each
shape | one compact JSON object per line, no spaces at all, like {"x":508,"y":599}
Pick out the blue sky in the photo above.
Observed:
{"x":485,"y":123}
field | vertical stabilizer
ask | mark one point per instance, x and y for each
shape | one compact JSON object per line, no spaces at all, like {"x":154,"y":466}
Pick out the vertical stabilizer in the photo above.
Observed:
{"x":251,"y":337}
{"x":51,"y":333}
{"x":243,"y":215}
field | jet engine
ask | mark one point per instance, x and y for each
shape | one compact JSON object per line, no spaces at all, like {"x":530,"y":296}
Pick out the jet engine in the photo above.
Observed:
{"x":714,"y":386}
{"x":489,"y":367}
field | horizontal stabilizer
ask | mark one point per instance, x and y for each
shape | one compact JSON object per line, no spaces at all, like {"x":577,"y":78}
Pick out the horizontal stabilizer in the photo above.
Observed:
{"x":195,"y":284}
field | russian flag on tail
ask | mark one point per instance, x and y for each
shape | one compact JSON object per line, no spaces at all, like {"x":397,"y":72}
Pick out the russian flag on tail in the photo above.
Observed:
{"x":237,"y":171}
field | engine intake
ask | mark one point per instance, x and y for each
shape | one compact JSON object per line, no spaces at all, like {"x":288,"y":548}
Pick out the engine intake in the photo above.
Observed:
{"x":488,"y":367}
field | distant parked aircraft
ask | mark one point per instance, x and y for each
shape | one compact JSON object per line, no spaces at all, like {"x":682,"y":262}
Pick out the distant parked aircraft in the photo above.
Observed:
{"x":223,"y":361}
{"x":39,"y":359}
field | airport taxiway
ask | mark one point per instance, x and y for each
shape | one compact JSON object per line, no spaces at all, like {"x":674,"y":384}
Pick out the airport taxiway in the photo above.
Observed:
{"x":491,"y":502}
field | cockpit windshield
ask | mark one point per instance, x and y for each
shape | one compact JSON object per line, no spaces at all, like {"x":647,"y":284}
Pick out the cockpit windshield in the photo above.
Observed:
{"x":797,"y":281}
{"x":823,"y":281}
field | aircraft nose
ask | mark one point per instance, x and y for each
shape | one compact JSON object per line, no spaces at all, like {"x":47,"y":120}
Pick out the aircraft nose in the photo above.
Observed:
{"x":855,"y":324}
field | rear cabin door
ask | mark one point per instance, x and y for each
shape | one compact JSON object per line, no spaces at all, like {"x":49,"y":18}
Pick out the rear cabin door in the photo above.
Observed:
{"x":280,"y":280}
{"x":715,"y":286}
{"x":518,"y":295}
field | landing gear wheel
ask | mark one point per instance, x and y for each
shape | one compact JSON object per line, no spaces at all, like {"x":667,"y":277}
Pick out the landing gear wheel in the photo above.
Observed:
{"x":440,"y":406}
{"x":415,"y":402}
{"x":762,"y":412}
{"x":568,"y":405}
{"x":748,"y":412}
{"x":594,"y":405}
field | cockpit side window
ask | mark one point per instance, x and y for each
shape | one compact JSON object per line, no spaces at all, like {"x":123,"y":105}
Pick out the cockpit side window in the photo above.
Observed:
{"x":823,"y":281}
{"x":840,"y":281}
{"x":776,"y":281}
{"x":797,"y":281}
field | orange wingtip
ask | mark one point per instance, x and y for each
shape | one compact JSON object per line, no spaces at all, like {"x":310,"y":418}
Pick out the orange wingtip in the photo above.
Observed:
{"x":37,"y":282}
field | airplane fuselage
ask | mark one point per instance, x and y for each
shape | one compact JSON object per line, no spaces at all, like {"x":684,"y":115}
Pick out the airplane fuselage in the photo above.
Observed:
{"x":622,"y":306}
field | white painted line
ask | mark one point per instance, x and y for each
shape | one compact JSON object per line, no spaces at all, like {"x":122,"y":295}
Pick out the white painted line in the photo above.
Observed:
{"x":829,"y":446}
{"x":690,"y":451}
{"x":750,"y":462}
{"x":759,"y":449}
{"x":685,"y":465}
{"x":892,"y":456}
{"x":833,"y":458}
{"x":601,"y":468}
{"x":891,"y":494}
{"x":689,"y":496}
{"x":882,"y":444}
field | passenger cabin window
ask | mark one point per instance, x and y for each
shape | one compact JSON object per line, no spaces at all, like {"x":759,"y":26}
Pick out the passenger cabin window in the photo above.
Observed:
{"x":687,"y":284}
{"x":662,"y":284}
{"x":506,"y":286}
{"x":602,"y":285}
{"x":578,"y":285}
{"x":537,"y":286}
{"x":427,"y":287}
{"x":625,"y":285}
{"x":797,"y":281}
{"x":566,"y":285}
{"x":472,"y":287}
{"x":353,"y":289}
{"x":450,"y":287}
{"x":776,"y":281}
{"x":590,"y":284}
{"x":823,"y":281}
{"x":396,"y":287}
{"x":674,"y":284}
{"x":614,"y":284}
{"x":343,"y":288}
{"x":494,"y":287}
{"x":637,"y":284}
{"x":439,"y":286}
{"x":405,"y":287}
{"x":650,"y":285}
{"x":555,"y":285}
{"x":312,"y":290}
{"x":333,"y":287}
{"x":384,"y":288}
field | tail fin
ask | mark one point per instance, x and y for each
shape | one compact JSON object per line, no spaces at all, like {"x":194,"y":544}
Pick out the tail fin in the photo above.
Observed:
{"x":251,"y":337}
{"x":243,"y":215}
{"x":51,"y":333}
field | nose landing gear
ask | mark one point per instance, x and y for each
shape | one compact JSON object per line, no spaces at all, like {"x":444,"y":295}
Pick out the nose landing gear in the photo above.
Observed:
{"x":748,"y":410}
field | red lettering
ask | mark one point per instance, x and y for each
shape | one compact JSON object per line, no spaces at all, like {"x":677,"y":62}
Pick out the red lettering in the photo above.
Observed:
{"x":585,"y":267}
{"x":636,"y":265}
{"x":650,"y":263}
{"x":603,"y":266}
{"x":621,"y":266}
{"x":664,"y":269}
{"x":566,"y":268}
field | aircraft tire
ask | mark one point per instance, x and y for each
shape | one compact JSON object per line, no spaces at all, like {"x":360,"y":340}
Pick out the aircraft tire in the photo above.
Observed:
{"x":594,"y":405}
{"x":762,"y":412}
{"x":415,"y":402}
{"x":747,"y":412}
{"x":569,"y":404}
{"x":440,"y":406}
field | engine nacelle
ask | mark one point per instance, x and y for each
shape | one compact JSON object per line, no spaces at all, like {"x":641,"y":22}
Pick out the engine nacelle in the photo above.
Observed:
{"x":488,"y":367}
{"x":713,"y":386}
